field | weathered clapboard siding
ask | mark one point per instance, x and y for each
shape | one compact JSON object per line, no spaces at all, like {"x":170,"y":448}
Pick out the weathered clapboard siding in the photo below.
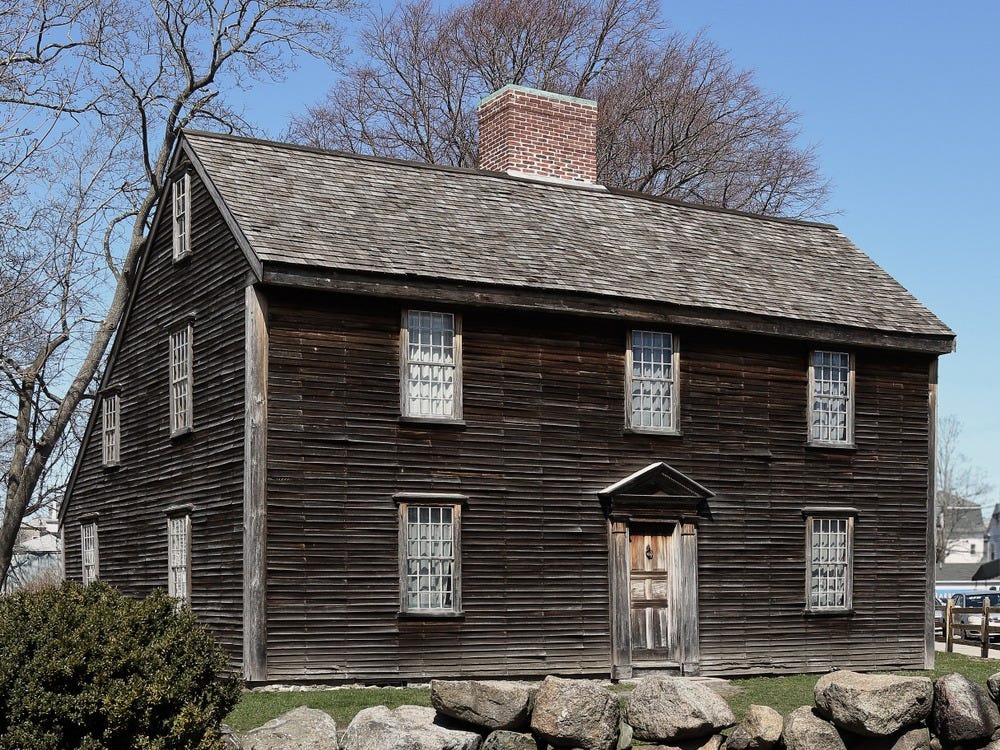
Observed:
{"x":543,"y":406}
{"x":203,"y":468}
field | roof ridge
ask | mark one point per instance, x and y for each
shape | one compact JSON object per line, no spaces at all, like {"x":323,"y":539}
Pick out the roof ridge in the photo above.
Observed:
{"x":469,"y":171}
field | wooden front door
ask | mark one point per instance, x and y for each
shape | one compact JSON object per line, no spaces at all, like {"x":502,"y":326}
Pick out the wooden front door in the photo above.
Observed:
{"x":649,"y":588}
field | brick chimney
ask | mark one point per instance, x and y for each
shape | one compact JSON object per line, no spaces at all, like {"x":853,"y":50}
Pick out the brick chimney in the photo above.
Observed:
{"x":538,"y":134}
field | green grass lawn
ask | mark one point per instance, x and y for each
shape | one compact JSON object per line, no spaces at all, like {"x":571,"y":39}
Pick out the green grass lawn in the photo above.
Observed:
{"x":780,"y":693}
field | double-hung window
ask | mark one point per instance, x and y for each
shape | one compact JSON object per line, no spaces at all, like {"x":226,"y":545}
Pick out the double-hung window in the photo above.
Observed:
{"x":651,"y":382}
{"x":111,"y":428}
{"x":181,"y":202}
{"x":431,"y":358}
{"x":181,"y":406}
{"x":89,"y":553}
{"x":430,"y":557}
{"x":831,"y":398}
{"x":179,"y":557}
{"x":829,"y":560}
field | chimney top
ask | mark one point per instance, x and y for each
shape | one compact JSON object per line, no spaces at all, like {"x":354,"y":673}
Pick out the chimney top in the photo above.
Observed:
{"x":540,"y":135}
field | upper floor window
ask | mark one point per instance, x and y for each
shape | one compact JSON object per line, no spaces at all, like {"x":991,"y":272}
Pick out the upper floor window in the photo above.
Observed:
{"x":179,"y":557}
{"x":89,"y":552}
{"x":182,"y":215}
{"x":430,"y":560}
{"x":830,"y":563}
{"x":651,"y":381}
{"x":431,"y":377}
{"x":111,"y":432}
{"x":180,"y":380}
{"x":831,"y":393}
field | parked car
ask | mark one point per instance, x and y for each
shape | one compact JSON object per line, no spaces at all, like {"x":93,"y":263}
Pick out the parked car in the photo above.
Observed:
{"x":939,"y":602}
{"x":974,"y":620}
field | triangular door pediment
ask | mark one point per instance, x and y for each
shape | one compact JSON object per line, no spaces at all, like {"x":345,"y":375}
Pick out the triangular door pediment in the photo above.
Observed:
{"x":657,"y":487}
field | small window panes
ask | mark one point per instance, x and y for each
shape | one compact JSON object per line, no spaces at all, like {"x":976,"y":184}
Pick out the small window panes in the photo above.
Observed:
{"x":181,"y":408}
{"x":831,"y":407}
{"x":431,"y":361}
{"x":110,"y":434}
{"x":89,"y":552}
{"x":652,"y":382}
{"x":181,"y":194}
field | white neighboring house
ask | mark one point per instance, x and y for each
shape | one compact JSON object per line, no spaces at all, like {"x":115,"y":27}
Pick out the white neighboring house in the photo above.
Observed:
{"x":993,"y":535}
{"x":37,"y":555}
{"x":963,"y":539}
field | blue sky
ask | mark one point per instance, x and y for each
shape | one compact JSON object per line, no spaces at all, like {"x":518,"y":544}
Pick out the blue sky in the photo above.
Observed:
{"x":902,"y":100}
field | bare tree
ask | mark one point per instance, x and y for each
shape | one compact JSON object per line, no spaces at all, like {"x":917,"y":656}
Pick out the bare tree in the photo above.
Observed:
{"x":104,"y":87}
{"x":676,"y":117}
{"x":960,"y":491}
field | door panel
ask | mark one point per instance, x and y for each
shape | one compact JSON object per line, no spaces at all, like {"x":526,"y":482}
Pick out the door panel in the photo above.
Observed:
{"x":649,"y":592}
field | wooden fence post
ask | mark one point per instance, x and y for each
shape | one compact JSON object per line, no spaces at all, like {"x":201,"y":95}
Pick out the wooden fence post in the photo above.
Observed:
{"x":984,"y":628}
{"x":949,"y":636}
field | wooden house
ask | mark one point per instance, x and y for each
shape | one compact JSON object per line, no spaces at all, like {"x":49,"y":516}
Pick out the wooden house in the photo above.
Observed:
{"x":384,"y":421}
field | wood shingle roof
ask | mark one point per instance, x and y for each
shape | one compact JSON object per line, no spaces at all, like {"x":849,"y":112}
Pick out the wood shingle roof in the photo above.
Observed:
{"x":345,"y":212}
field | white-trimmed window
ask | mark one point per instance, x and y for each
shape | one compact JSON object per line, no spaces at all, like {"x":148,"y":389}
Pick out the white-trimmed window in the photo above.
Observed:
{"x":182,"y":215}
{"x":829,"y":561}
{"x":431,"y":358}
{"x":430,"y":557}
{"x":179,"y":557}
{"x":111,"y":428}
{"x":181,"y":385}
{"x":831,"y":398}
{"x":89,"y":552}
{"x":651,"y":381}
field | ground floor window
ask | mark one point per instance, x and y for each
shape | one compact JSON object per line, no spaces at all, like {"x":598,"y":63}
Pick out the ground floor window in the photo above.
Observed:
{"x":829,"y":562}
{"x":88,"y":545}
{"x":179,"y":557}
{"x":430,"y":559}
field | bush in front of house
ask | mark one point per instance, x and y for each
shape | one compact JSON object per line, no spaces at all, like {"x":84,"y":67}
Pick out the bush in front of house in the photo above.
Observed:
{"x":91,"y":669}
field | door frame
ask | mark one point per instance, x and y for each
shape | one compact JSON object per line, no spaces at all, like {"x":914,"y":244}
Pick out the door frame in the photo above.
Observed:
{"x":657,"y":495}
{"x":682,"y":607}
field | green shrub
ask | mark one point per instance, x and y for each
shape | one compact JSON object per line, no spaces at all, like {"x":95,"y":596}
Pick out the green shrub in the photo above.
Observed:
{"x":91,"y":669}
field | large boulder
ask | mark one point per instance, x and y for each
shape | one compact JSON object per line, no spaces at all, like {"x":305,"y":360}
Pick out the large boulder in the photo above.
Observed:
{"x":404,"y":728}
{"x":760,"y":729}
{"x":915,"y":738}
{"x":503,"y":739}
{"x":666,"y":709}
{"x":576,"y":713}
{"x":804,"y":730}
{"x":873,"y":705}
{"x":491,"y":704}
{"x":964,"y":712}
{"x":299,"y":729}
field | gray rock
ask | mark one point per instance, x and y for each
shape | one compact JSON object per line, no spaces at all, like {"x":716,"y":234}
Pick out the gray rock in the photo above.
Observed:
{"x":230,"y":739}
{"x":576,"y":713}
{"x":491,"y":704}
{"x":993,"y":685}
{"x":503,"y":739}
{"x":300,"y":729}
{"x":760,"y":729}
{"x":665,"y":709}
{"x":963,"y":711}
{"x":624,"y":735}
{"x":873,"y":705}
{"x":712,"y":742}
{"x":404,"y":728}
{"x":917,"y":738}
{"x":804,"y":730}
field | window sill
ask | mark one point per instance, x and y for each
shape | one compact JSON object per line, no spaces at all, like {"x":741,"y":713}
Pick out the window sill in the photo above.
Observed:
{"x":431,"y":615}
{"x":181,"y":434}
{"x":821,"y":613}
{"x":651,"y":432}
{"x":430,"y":421}
{"x":110,"y":468}
{"x":182,"y":259}
{"x":846,"y":447}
